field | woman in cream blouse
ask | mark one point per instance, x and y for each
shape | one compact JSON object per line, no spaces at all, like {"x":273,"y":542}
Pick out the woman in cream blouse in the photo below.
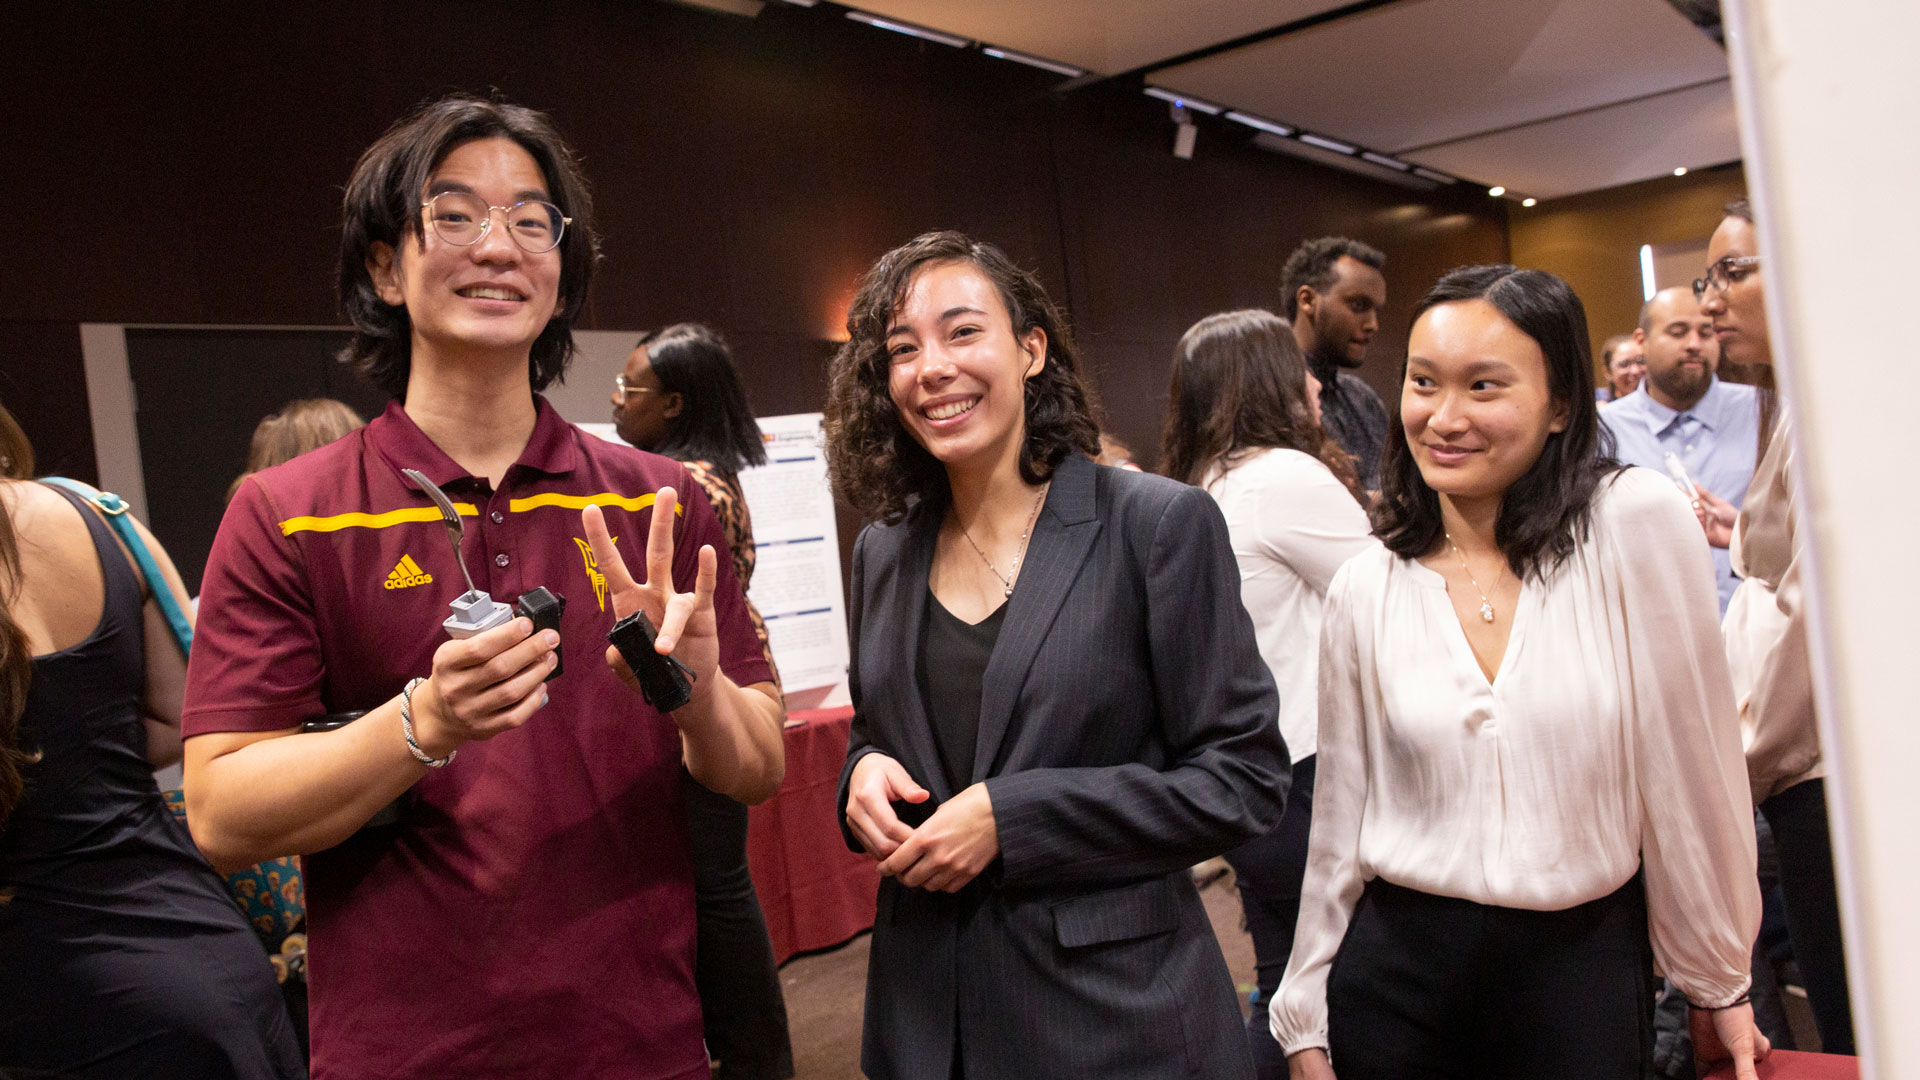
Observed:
{"x":1530,"y":772}
{"x":1243,"y":422}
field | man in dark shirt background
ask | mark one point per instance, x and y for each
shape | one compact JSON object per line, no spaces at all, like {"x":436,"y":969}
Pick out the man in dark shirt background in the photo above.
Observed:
{"x":1332,"y":289}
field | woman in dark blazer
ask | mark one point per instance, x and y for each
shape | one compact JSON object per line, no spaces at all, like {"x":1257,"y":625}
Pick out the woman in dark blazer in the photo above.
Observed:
{"x":1059,"y":704}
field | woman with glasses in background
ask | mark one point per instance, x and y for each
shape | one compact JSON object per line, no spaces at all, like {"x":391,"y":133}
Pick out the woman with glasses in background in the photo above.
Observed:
{"x":680,"y":396}
{"x":531,"y":914}
{"x":1766,"y":631}
{"x":1529,"y":785}
{"x":1243,"y":422}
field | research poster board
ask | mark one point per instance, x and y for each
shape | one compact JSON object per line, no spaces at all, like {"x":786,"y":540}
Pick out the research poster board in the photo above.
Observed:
{"x":796,"y":577}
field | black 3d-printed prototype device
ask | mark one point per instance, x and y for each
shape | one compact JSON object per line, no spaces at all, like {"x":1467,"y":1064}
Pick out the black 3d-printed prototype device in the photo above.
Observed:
{"x":666,"y":683}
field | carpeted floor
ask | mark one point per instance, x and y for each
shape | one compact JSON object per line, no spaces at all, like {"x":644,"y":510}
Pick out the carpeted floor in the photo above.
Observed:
{"x":825,"y":990}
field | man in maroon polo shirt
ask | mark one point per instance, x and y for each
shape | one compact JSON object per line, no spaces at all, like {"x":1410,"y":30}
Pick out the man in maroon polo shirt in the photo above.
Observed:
{"x":531,"y":915}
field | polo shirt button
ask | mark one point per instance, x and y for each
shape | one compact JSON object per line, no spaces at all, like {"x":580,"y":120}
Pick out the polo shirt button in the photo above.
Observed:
{"x":501,"y":560}
{"x":497,"y":517}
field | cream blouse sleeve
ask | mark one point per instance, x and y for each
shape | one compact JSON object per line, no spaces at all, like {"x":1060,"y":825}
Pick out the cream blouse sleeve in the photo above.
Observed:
{"x":1697,"y":838}
{"x":1298,"y":1015}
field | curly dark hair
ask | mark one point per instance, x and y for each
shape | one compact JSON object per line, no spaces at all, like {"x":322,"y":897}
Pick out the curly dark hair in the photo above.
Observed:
{"x":1311,"y":264}
{"x":875,"y":464}
{"x":382,"y":205}
{"x":1239,"y":384}
{"x":1544,"y":514}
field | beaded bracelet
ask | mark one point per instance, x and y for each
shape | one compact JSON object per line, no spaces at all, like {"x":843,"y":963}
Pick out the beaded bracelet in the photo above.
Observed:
{"x":406,"y":726}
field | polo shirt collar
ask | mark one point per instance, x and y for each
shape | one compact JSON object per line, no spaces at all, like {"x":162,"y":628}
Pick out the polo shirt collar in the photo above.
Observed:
{"x":550,"y":449}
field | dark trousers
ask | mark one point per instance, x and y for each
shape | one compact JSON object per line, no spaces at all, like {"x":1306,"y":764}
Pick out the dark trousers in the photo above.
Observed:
{"x":1269,"y":870}
{"x":1798,"y":817}
{"x":745,"y":1014}
{"x":1427,"y":987}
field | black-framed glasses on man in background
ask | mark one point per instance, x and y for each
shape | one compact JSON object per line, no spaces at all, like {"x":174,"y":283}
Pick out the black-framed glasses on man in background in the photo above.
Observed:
{"x":621,"y":388}
{"x":463,"y":218}
{"x":1721,"y":273}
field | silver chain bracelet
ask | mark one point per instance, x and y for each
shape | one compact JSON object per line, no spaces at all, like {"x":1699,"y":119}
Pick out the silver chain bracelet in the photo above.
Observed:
{"x":406,"y":726}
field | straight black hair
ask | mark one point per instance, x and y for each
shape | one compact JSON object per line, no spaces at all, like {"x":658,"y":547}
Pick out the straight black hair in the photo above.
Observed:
{"x":1545,"y":514}
{"x":714,"y":424}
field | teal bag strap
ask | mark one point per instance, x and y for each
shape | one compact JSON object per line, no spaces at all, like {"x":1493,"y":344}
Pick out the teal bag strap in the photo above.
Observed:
{"x":115,"y":509}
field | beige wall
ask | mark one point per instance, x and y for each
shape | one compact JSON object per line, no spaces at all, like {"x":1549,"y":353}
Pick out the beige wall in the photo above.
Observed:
{"x":1593,"y":240}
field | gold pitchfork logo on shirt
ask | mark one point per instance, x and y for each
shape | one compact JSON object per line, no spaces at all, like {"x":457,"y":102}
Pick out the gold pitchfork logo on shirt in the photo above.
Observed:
{"x":594,"y":575}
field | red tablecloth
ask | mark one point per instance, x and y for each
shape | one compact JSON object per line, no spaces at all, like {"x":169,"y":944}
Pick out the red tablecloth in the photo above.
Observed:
{"x":1789,"y":1065}
{"x":815,"y":892}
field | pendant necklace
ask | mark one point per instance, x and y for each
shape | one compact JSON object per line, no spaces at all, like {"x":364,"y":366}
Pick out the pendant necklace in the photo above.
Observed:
{"x":1013,"y":570}
{"x":1486,"y":605}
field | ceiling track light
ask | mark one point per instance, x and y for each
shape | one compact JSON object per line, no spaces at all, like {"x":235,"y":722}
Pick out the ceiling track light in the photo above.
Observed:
{"x":1258,"y":123}
{"x":1183,"y":101}
{"x":1042,"y":63}
{"x":1325,"y":143}
{"x":909,"y":29}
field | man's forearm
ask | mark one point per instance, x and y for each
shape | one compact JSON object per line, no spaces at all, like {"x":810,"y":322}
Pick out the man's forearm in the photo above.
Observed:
{"x":731,"y":739}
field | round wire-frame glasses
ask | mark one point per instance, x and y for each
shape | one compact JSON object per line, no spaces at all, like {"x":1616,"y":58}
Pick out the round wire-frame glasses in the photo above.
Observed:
{"x":462,"y":218}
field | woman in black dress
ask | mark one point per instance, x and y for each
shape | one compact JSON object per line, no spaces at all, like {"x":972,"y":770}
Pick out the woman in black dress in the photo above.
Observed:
{"x":121,"y":954}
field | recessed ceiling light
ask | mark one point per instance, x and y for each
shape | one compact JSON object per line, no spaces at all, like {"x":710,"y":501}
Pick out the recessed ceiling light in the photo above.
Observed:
{"x":1681,"y":171}
{"x":1259,"y":123}
{"x":1528,"y":201}
{"x":1040,"y":62}
{"x":1325,"y":143}
{"x":910,"y":29}
{"x":1496,"y":192}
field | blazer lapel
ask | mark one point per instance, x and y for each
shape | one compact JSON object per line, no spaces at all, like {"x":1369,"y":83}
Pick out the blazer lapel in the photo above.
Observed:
{"x":910,"y":600}
{"x":1060,"y":543}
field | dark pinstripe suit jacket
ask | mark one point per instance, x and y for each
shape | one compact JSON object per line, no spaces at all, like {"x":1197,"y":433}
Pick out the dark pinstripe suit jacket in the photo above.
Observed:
{"x":1127,"y":731}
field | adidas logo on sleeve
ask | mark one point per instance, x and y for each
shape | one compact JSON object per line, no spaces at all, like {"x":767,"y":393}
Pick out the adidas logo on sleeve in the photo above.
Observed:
{"x":407,"y":573}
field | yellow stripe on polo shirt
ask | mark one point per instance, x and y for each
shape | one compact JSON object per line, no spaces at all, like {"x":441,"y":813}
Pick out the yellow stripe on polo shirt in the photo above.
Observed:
{"x":358,"y":520}
{"x":581,"y":502}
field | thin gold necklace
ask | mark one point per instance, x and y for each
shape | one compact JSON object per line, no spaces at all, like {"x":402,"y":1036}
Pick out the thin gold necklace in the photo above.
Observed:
{"x":1013,"y":571}
{"x":1486,"y":605}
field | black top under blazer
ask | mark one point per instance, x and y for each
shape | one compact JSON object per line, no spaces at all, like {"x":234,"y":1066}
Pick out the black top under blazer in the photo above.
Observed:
{"x":1128,"y":730}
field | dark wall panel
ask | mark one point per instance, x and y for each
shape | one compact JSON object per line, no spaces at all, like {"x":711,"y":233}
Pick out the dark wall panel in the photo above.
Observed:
{"x":43,"y":383}
{"x":201,"y":392}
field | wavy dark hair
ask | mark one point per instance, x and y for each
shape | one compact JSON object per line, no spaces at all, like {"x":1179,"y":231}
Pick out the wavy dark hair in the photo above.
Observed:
{"x":16,"y":656}
{"x":1239,"y":384}
{"x":1546,"y":512}
{"x":873,"y":461}
{"x":382,"y":205}
{"x":714,"y":424}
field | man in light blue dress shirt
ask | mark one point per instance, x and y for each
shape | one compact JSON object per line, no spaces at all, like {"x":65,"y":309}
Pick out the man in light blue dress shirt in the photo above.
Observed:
{"x":1682,"y":408}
